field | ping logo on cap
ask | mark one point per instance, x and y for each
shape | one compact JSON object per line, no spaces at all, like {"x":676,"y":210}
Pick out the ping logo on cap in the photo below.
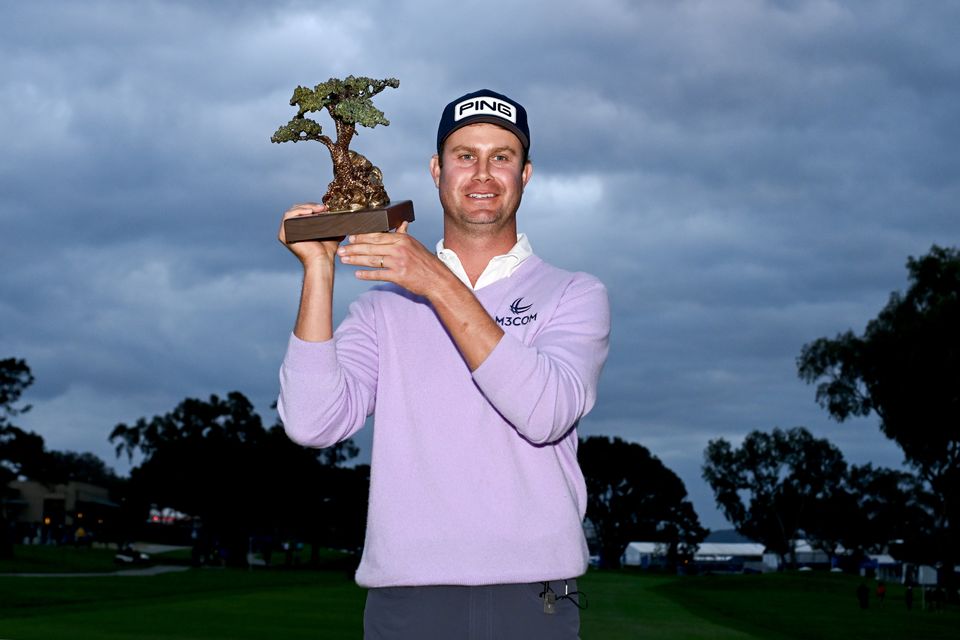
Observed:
{"x":484,"y":106}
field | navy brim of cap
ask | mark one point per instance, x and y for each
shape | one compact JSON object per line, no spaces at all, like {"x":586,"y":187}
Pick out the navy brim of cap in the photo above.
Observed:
{"x":500,"y":122}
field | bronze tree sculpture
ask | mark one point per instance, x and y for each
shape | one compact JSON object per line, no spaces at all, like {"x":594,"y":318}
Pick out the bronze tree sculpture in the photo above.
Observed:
{"x":357,"y":183}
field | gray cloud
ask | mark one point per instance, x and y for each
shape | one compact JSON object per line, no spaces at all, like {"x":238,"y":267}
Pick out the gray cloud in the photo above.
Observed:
{"x":744,"y":176}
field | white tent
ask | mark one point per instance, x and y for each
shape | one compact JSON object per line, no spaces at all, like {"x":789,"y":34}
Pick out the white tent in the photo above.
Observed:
{"x":644,"y":554}
{"x":647,"y":554}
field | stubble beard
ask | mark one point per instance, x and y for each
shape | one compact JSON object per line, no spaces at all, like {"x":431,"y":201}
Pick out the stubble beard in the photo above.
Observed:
{"x":478,"y":223}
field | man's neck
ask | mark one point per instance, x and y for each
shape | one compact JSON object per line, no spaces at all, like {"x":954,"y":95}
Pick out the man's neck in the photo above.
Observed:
{"x":476,"y":251}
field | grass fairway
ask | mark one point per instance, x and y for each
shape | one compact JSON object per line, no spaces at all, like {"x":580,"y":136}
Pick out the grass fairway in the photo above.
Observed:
{"x":195,"y":605}
{"x":806,"y":605}
{"x":626,"y":605}
{"x":212,"y":604}
{"x":48,"y":559}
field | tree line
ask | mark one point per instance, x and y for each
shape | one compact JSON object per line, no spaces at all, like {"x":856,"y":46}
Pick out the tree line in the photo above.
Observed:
{"x":905,"y":369}
{"x":216,"y":460}
{"x":786,"y":485}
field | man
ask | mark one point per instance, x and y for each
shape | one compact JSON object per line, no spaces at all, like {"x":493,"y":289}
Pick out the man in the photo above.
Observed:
{"x":477,"y":363}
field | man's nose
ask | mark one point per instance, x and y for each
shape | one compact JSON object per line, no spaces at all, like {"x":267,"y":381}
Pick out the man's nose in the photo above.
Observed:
{"x":482,"y":171}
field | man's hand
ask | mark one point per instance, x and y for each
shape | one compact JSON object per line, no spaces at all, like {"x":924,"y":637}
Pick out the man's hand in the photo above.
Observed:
{"x":315,"y":317}
{"x":309,"y":251}
{"x":398,"y":258}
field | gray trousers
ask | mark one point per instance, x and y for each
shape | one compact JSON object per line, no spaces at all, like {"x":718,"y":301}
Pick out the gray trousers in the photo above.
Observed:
{"x":491,"y":612}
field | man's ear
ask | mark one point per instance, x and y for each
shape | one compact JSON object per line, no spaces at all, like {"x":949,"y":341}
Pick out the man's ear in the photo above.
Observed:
{"x":435,"y":169}
{"x":527,"y":172}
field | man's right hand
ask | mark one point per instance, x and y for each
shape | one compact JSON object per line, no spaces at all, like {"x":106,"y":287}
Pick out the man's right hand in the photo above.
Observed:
{"x":315,"y":317}
{"x":310,"y":250}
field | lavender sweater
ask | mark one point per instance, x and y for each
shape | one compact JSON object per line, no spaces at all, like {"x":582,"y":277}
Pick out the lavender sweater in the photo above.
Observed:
{"x":474,"y":478}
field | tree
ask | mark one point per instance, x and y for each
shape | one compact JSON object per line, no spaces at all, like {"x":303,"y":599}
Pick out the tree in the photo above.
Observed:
{"x":70,"y":466}
{"x":23,"y":454}
{"x":871,"y":510}
{"x":356,"y":184}
{"x":214,"y":460}
{"x":888,"y":511}
{"x":906,"y":369}
{"x":20,"y":451}
{"x":15,"y":377}
{"x":787,"y":476}
{"x":632,"y":496}
{"x":201,"y":459}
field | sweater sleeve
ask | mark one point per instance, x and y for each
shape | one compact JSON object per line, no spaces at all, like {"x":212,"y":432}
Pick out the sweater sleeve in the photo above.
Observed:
{"x":327,"y":389}
{"x":544,"y":388}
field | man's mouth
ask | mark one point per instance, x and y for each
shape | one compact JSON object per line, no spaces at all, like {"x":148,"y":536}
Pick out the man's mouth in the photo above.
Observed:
{"x":480,"y":196}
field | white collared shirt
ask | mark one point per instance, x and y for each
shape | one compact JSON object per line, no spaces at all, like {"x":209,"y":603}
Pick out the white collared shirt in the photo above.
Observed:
{"x":498,"y":268}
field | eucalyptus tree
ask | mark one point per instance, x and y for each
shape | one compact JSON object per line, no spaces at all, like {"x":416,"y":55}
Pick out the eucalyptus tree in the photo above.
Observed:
{"x":905,"y":369}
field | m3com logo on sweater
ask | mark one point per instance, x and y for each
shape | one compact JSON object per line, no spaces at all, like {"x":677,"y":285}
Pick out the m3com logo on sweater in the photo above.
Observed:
{"x":518,"y":309}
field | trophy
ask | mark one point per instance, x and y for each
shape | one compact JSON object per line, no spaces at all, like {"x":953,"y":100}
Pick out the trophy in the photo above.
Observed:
{"x":356,"y":197}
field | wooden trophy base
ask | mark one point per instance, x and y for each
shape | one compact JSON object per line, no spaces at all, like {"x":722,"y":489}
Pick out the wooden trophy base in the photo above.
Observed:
{"x":324,"y":226}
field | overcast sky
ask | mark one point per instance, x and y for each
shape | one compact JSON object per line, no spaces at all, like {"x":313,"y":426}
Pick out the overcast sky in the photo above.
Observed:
{"x":745,"y":177}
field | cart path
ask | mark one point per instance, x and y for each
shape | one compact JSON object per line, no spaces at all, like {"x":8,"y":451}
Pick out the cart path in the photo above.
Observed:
{"x":145,"y":571}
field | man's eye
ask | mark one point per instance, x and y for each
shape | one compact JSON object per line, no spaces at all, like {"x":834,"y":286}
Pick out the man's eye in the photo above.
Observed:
{"x":501,"y":158}
{"x":466,"y":156}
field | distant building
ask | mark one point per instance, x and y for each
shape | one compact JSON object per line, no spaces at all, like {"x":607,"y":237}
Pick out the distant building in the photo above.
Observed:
{"x":41,"y":510}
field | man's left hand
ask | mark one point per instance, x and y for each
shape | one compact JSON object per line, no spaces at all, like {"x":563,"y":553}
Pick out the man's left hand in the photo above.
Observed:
{"x":399,"y":258}
{"x":395,"y":257}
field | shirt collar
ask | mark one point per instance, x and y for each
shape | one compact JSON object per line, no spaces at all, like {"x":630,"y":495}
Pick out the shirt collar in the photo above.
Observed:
{"x":498,"y":268}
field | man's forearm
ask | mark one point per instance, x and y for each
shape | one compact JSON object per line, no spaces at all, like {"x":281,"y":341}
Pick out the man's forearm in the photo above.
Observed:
{"x":315,"y":316}
{"x":543,"y":388}
{"x":468,"y":323}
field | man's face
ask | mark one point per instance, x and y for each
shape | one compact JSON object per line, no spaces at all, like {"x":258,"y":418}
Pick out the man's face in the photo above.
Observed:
{"x":482,"y":177}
